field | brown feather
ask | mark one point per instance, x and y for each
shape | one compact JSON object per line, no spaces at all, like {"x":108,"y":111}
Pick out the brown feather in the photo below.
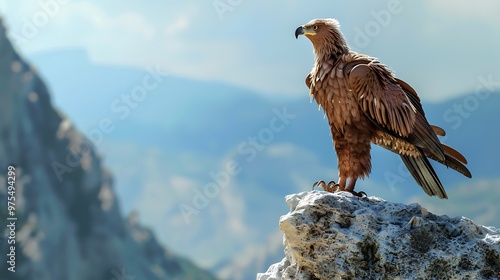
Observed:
{"x":454,"y":153}
{"x":439,"y":131}
{"x":308,"y":81}
{"x":365,"y":103}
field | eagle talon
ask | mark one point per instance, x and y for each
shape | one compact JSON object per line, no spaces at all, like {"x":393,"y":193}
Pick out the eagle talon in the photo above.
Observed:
{"x":330,"y":187}
{"x":319,"y":183}
{"x":333,"y":187}
{"x":359,"y":194}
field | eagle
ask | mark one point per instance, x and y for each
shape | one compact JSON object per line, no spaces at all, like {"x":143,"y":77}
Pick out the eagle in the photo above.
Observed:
{"x":365,"y":103}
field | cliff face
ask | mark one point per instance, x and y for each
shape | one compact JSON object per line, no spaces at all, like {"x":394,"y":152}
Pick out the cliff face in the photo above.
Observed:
{"x":339,"y":236}
{"x":68,"y":222}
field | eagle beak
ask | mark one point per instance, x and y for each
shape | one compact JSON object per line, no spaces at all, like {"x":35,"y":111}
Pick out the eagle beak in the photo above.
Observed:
{"x":306,"y":31}
{"x":299,"y":31}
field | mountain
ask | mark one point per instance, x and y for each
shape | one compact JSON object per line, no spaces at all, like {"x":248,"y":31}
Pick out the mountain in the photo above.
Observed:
{"x":63,"y":217}
{"x":214,"y":161}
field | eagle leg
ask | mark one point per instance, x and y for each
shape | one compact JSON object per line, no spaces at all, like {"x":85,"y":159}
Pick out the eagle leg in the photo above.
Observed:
{"x":350,"y":188}
{"x":342,"y":183}
{"x":330,"y":187}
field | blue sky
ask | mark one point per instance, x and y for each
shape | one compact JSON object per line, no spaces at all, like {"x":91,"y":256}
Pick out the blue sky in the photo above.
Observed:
{"x":440,"y":47}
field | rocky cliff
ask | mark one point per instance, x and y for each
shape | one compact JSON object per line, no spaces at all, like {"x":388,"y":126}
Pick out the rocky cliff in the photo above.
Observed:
{"x":64,"y":221}
{"x":339,"y":236}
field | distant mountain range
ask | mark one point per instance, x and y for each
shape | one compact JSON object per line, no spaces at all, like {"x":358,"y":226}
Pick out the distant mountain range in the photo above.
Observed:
{"x":207,"y":164}
{"x":60,"y":215}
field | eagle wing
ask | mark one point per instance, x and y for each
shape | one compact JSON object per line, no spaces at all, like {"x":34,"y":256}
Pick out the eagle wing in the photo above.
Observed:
{"x":395,"y":108}
{"x":308,"y":81}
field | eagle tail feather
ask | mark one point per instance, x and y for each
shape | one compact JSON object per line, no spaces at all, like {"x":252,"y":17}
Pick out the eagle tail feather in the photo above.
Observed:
{"x":454,"y":153}
{"x":457,"y":165}
{"x":453,"y":162}
{"x":422,"y":171}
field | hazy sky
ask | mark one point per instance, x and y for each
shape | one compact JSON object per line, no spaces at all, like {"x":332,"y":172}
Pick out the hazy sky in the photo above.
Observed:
{"x":440,"y":47}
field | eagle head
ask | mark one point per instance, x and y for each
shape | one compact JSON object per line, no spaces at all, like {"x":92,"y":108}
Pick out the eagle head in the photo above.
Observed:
{"x":325,"y":36}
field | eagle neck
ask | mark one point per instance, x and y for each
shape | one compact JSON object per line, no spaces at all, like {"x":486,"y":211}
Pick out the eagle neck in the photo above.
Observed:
{"x":331,"y":58}
{"x":330,"y":50}
{"x":322,"y":58}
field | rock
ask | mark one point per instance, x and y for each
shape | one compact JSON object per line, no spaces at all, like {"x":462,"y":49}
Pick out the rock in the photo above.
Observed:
{"x":340,"y":236}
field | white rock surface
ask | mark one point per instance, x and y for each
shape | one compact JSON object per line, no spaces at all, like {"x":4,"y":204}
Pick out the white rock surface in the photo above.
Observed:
{"x":339,"y":236}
